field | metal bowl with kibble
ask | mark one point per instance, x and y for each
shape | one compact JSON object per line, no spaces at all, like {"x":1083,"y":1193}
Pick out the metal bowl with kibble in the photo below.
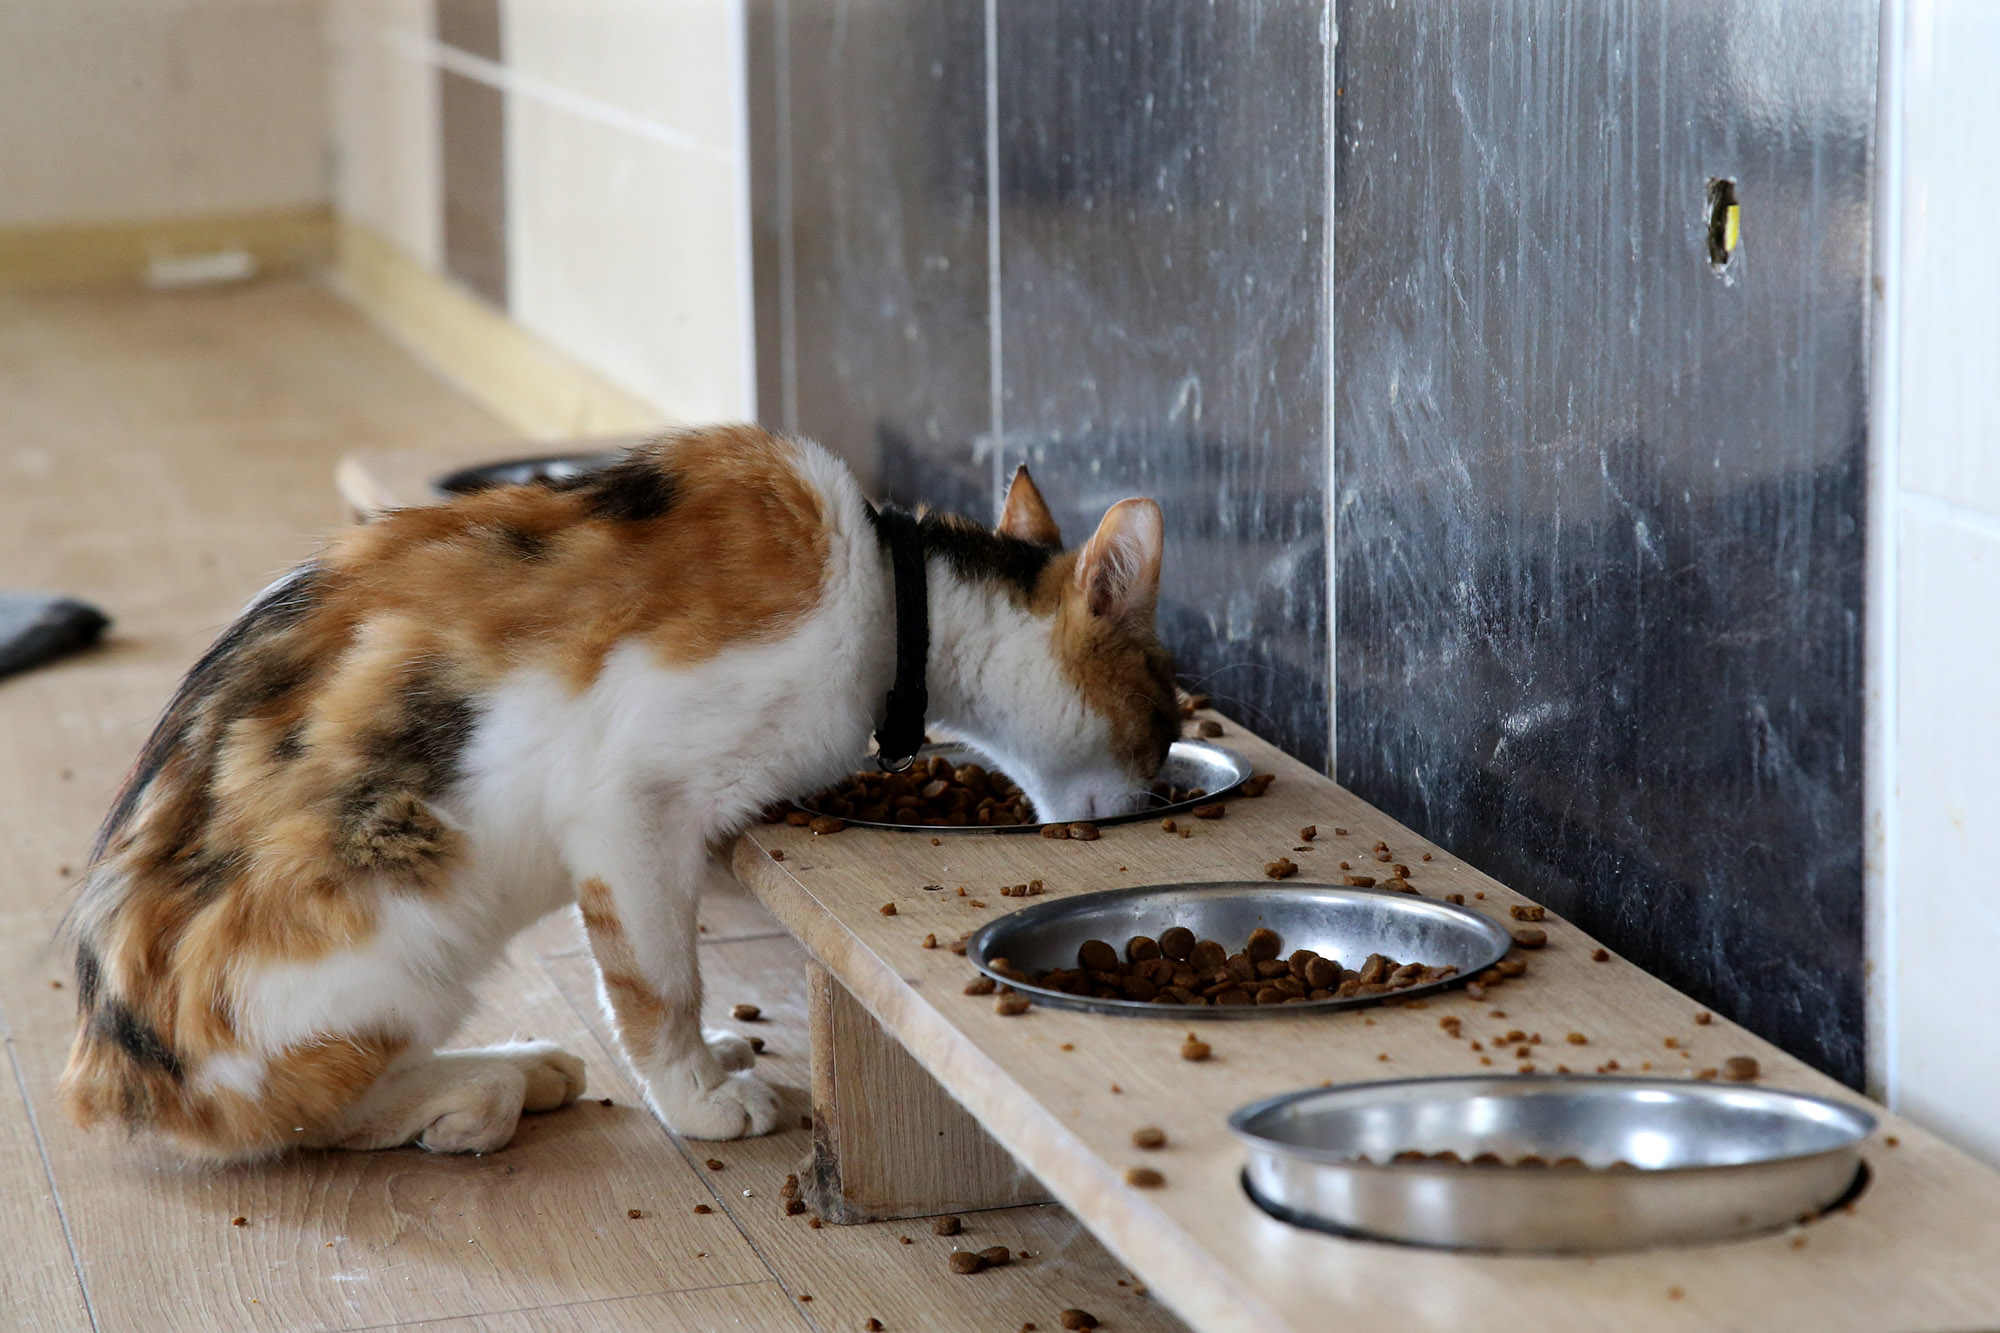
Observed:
{"x":1195,"y":774}
{"x":1550,"y":1163}
{"x":1317,"y":947}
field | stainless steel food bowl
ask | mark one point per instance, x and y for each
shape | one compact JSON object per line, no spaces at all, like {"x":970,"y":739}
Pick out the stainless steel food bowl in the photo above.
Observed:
{"x":1713,"y":1161}
{"x":514,"y":471}
{"x":1218,"y":771}
{"x":1344,"y":924}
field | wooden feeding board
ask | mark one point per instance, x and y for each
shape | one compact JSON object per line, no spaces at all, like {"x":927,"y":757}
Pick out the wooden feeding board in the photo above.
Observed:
{"x":914,"y":1082}
{"x":1063,"y":1091}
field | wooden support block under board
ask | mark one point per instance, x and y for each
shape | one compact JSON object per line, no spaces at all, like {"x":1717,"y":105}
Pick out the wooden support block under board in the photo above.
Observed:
{"x":887,"y":1141}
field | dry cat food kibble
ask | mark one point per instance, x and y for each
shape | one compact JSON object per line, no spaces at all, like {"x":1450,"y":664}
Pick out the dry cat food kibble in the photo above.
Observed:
{"x":1412,"y":1156}
{"x":824,"y":824}
{"x":931,"y":791}
{"x":947,"y":1226}
{"x":1740,"y":1068}
{"x":966,"y":1262}
{"x":1531,"y":912}
{"x":1179,"y":969}
{"x":1149,"y":1137}
{"x":935,"y":793}
{"x":1194,"y":1048}
{"x":1075,"y":1319}
{"x":1144,"y":1177}
{"x":1530,"y":937}
{"x":1282,"y":868}
{"x":746,"y":1013}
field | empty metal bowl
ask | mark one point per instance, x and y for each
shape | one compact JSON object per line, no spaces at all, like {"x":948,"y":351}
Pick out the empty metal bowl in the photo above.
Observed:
{"x":514,"y":471}
{"x":1343,"y":924}
{"x":1218,"y":771}
{"x":1663,"y":1162}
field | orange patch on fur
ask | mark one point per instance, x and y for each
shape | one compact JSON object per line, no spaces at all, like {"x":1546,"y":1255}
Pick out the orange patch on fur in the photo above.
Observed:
{"x":1120,"y":668}
{"x":636,"y":1008}
{"x":306,"y":1092}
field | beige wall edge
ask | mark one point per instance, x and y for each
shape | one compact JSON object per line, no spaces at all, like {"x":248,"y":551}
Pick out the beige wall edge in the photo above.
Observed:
{"x":514,"y":374}
{"x":102,"y":254}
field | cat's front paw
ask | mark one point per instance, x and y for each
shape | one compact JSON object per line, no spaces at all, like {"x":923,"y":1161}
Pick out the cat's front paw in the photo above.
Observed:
{"x":730,"y":1051}
{"x":741,"y":1106}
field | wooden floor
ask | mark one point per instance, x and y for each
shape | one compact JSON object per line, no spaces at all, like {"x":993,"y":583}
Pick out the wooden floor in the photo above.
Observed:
{"x":163,"y":456}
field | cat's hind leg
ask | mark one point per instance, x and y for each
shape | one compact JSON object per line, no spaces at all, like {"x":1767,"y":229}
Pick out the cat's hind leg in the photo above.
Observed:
{"x":459,"y":1101}
{"x":642,"y":934}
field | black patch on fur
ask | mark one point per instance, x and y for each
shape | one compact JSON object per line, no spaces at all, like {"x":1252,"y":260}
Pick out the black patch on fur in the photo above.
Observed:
{"x":977,"y":552}
{"x":290,"y":745}
{"x":636,"y":488}
{"x":260,"y":678}
{"x":522,"y":544}
{"x":89,"y":976}
{"x":281,"y":607}
{"x":208,"y":873}
{"x":423,"y":750}
{"x":381,"y":814}
{"x":139,"y":1040}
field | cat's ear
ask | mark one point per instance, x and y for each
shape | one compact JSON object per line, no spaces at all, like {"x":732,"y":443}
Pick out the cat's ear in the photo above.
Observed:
{"x":1025,"y":516}
{"x":1119,"y":570}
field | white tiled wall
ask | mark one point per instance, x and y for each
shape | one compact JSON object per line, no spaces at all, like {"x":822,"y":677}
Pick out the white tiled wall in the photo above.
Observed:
{"x":122,"y":110}
{"x":625,"y":252}
{"x":627,"y":200}
{"x":666,"y":62}
{"x":1937,"y":1047}
{"x":385,"y":123}
{"x":1947,"y":1068}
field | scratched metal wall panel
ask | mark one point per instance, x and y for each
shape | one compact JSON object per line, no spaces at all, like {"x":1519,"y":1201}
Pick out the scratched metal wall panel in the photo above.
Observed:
{"x":1162,"y":181}
{"x":1599,"y":534}
{"x":887,"y":173}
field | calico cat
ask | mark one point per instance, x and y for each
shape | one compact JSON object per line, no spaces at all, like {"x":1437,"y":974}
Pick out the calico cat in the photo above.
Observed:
{"x":460,"y":718}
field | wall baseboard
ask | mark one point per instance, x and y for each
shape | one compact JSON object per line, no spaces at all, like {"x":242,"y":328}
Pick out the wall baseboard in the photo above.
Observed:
{"x":513,"y":373}
{"x":120,"y":254}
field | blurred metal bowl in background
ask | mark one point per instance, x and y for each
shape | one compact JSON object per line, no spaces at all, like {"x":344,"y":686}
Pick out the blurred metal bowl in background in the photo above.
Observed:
{"x":514,"y":471}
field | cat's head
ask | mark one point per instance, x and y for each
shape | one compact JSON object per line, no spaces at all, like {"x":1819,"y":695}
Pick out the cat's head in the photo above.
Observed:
{"x":1075,"y":696}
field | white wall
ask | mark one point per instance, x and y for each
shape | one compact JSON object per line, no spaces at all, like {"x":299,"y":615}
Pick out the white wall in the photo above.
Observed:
{"x":1935,"y":744}
{"x":627,"y":196}
{"x":125,"y":110}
